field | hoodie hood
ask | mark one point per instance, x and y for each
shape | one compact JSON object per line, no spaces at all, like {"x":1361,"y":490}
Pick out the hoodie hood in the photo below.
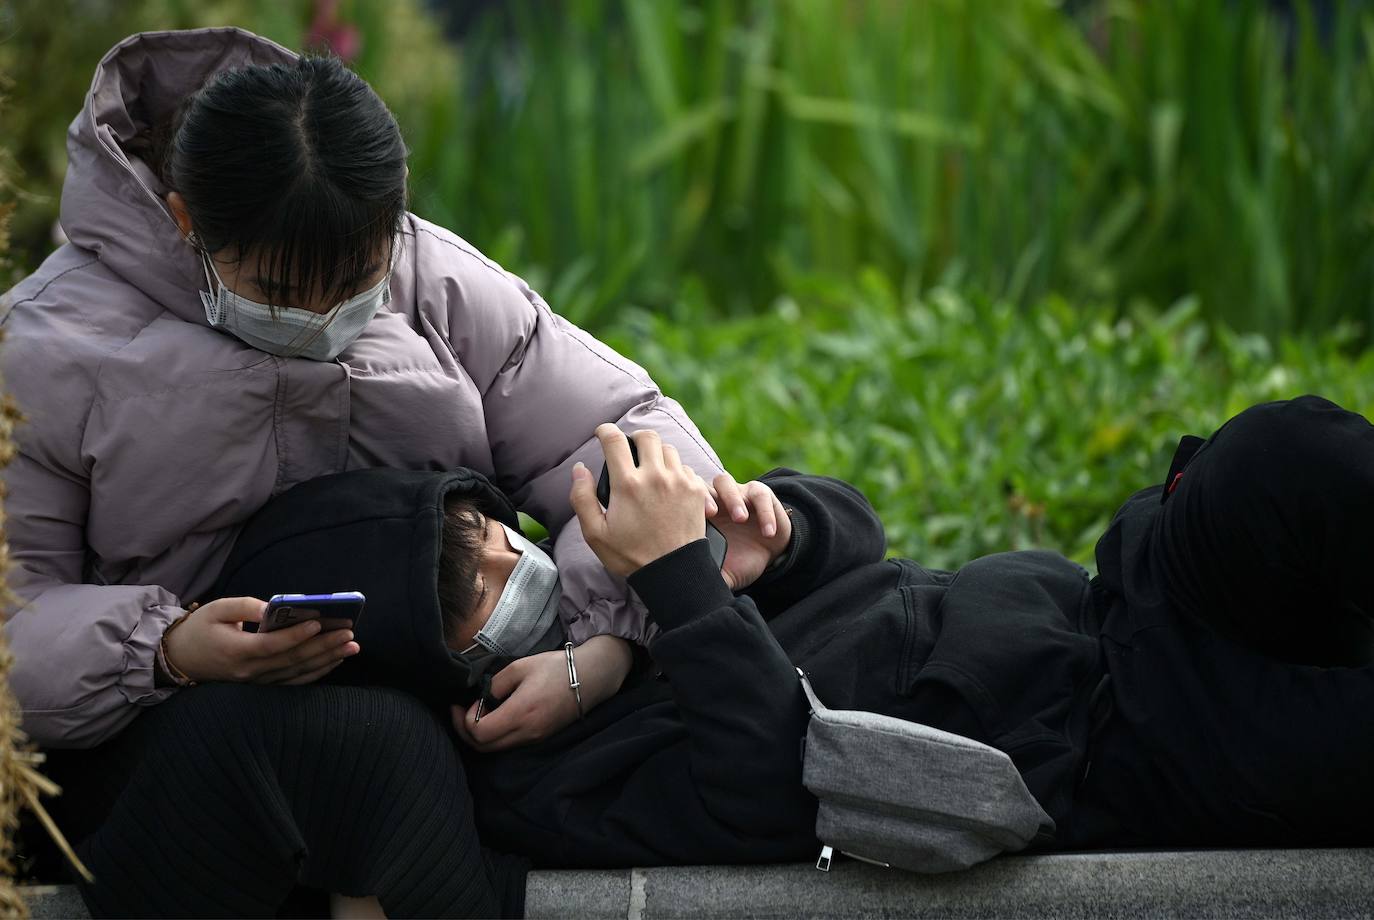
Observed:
{"x":377,"y":531}
{"x":112,"y":201}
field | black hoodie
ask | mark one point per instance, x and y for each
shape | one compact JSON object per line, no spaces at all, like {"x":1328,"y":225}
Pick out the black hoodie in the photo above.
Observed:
{"x":702,"y":763}
{"x":698,"y":758}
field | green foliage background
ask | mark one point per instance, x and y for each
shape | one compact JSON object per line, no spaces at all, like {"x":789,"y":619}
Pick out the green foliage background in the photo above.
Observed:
{"x":988,"y":261}
{"x":971,"y":425}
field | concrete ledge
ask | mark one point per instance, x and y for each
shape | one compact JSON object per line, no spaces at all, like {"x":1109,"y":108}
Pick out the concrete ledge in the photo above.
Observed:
{"x":53,"y":901}
{"x":1202,"y":883}
{"x":1208,"y":883}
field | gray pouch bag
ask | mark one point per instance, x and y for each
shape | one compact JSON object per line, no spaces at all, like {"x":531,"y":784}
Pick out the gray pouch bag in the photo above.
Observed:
{"x":903,"y":794}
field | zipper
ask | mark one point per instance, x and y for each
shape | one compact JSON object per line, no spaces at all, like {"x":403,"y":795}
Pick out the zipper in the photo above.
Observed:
{"x":827,"y":857}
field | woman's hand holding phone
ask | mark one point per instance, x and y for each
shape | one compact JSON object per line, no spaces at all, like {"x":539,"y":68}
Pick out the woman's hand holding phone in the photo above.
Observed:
{"x":212,"y":645}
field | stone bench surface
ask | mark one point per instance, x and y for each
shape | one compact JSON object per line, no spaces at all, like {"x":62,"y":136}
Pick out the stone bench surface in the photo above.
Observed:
{"x":1181,"y":883}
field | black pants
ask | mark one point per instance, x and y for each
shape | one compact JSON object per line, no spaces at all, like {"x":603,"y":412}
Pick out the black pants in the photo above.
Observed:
{"x":1268,"y":533}
{"x":1237,"y":630}
{"x":226,"y":799}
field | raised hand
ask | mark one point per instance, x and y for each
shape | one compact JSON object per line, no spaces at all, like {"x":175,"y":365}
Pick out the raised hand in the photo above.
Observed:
{"x":655,"y":508}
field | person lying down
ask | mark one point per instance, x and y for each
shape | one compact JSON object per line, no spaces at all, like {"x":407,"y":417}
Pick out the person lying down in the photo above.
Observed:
{"x":1211,"y":686}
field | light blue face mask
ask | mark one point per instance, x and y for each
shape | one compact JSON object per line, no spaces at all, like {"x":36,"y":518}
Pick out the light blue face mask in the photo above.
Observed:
{"x":526,"y":614}
{"x":292,"y":332}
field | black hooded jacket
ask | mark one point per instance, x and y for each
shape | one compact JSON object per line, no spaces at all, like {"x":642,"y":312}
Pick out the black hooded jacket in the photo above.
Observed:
{"x":698,"y":758}
{"x":701,"y":762}
{"x":1132,"y":720}
{"x":1236,"y":605}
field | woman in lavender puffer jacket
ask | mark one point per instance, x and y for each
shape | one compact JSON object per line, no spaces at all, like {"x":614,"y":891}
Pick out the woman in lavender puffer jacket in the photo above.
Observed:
{"x":245,"y":304}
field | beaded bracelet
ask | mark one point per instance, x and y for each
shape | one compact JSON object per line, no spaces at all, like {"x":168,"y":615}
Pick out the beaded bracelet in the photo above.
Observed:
{"x":574,"y":684}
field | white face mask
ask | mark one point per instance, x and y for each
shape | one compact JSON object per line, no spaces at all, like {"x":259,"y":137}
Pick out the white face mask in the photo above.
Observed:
{"x":527,"y":610}
{"x":299,"y":333}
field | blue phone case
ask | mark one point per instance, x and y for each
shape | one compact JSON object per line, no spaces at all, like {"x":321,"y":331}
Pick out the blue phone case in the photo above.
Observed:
{"x":339,"y":610}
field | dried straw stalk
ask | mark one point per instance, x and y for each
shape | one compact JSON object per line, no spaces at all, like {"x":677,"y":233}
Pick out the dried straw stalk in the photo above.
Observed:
{"x":21,"y":784}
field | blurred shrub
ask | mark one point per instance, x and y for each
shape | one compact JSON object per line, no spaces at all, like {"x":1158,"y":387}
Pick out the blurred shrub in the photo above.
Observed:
{"x":614,"y":151}
{"x":50,"y":49}
{"x":974,"y":426}
{"x":1138,"y":148}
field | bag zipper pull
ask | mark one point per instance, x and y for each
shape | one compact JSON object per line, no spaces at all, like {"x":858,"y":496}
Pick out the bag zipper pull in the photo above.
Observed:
{"x":824,"y":862}
{"x":871,"y":862}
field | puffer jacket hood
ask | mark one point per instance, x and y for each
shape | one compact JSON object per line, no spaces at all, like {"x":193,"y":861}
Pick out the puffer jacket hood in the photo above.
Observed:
{"x":379,"y":532}
{"x":112,"y":203}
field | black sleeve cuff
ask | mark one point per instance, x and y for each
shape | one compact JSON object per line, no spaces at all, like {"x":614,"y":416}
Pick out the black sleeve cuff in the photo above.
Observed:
{"x":797,"y":545}
{"x":681,"y":585}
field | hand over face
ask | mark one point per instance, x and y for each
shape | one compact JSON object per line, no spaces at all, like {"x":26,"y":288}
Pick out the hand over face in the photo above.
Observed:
{"x":537,"y":698}
{"x":536,"y":702}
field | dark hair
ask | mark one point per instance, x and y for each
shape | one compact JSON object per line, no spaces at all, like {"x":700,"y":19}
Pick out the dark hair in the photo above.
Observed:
{"x":460,"y":555}
{"x":300,"y":162}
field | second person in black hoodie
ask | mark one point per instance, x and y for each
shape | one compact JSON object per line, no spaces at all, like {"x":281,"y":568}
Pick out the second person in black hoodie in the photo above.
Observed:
{"x":1136,"y":716}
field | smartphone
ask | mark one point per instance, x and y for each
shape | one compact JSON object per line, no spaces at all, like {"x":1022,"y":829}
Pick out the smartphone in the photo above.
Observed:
{"x":334,"y":611}
{"x":715,"y":540}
